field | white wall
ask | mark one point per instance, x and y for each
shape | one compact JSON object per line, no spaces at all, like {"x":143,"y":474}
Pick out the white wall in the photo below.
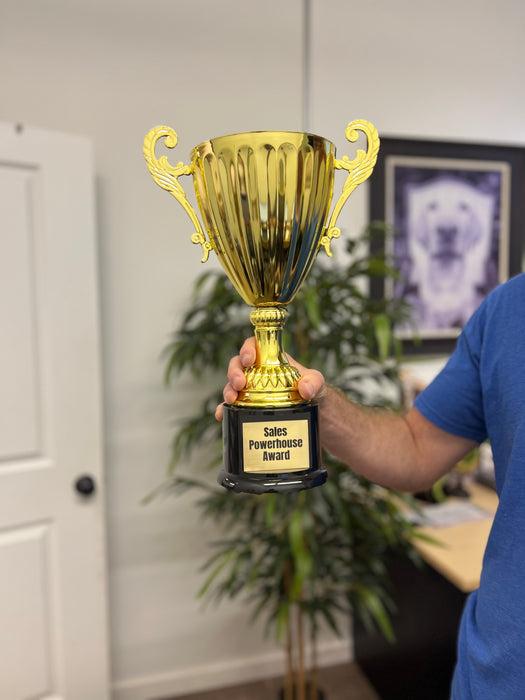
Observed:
{"x":111,"y":69}
{"x":447,"y":70}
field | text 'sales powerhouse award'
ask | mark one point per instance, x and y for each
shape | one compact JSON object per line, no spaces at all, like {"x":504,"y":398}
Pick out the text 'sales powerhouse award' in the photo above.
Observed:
{"x":265,"y":203}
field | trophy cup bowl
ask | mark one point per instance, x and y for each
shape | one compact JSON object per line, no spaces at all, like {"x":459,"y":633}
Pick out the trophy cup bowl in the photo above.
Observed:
{"x":265,"y":199}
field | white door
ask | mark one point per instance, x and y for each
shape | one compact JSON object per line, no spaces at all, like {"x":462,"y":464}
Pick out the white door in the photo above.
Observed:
{"x":53,"y":615}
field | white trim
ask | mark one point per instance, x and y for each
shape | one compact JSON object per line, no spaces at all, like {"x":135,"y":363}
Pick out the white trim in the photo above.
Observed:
{"x":221,"y":674}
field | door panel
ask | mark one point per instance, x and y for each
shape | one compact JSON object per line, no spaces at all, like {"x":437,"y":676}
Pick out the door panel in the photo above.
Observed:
{"x":25,"y":602}
{"x":19,"y":409}
{"x":53,"y":598}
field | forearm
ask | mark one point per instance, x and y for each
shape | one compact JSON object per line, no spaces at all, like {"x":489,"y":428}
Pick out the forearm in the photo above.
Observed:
{"x":402,"y":452}
{"x":408,"y":452}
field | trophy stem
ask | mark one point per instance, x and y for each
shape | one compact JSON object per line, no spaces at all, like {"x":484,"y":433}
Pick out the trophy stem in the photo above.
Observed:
{"x":271,"y":380}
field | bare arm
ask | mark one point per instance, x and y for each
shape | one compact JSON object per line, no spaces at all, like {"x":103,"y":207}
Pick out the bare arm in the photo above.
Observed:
{"x":408,"y":452}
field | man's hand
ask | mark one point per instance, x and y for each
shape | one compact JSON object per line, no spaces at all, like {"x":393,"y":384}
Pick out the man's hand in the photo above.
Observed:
{"x":311,"y":385}
{"x":408,"y":453}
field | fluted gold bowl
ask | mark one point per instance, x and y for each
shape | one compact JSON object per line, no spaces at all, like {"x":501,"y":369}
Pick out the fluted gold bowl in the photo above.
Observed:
{"x":265,"y":199}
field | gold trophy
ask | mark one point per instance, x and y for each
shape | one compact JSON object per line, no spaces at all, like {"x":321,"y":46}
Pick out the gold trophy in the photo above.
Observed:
{"x":265,"y":198}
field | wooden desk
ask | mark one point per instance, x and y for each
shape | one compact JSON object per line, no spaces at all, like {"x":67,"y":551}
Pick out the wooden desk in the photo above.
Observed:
{"x":429,"y":601}
{"x":459,"y":555}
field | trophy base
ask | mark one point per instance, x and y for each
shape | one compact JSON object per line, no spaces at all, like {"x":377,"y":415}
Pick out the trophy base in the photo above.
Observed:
{"x":271,"y":484}
{"x":271,"y":450}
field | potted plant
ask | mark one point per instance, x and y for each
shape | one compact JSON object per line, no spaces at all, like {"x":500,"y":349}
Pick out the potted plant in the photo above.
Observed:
{"x":305,"y":559}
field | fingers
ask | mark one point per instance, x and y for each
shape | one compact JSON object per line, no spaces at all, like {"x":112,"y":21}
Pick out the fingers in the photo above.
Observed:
{"x":230,"y":392}
{"x":247,"y":353}
{"x":311,"y":385}
{"x":236,"y":376}
{"x":219,"y":413}
{"x":230,"y":396}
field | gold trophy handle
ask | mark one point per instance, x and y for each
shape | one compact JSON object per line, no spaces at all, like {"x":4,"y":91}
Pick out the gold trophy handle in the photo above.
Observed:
{"x":165,"y":175}
{"x":359,"y":170}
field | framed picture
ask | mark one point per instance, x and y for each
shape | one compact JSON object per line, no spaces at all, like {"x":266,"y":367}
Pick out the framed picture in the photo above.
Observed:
{"x":457,"y":216}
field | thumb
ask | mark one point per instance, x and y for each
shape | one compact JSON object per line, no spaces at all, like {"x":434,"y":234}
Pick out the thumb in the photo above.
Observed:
{"x":312,"y":385}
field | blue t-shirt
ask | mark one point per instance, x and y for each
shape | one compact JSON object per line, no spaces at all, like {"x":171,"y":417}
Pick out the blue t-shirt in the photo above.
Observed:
{"x":479,"y":394}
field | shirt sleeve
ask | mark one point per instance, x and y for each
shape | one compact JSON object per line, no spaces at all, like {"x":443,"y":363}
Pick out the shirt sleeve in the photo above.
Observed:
{"x":453,"y":401}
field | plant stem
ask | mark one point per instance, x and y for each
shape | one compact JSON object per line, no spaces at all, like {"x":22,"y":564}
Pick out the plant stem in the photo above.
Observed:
{"x":313,"y":667}
{"x":301,"y":687}
{"x":289,"y":679}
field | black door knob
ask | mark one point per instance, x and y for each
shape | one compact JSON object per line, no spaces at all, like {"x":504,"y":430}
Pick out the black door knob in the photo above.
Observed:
{"x":85,"y":485}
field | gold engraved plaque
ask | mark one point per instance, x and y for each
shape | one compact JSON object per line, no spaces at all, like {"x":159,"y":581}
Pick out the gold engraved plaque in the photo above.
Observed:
{"x":265,"y":199}
{"x":280,"y":446}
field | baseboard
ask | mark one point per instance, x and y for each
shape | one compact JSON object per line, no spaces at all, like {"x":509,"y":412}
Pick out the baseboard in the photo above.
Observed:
{"x":218,"y":675}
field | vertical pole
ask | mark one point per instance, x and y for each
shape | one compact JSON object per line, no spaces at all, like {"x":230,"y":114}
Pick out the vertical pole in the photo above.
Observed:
{"x":301,"y":678}
{"x":306,"y":63}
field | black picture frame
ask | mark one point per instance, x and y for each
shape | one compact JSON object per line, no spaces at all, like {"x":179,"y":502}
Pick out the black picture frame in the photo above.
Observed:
{"x":433,"y":194}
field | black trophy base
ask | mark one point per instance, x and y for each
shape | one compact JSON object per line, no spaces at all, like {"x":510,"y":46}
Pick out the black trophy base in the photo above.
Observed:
{"x":271,"y":450}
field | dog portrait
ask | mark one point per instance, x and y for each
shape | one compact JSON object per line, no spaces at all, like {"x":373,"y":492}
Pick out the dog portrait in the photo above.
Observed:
{"x":449,"y":235}
{"x":447,"y":244}
{"x":450,"y":219}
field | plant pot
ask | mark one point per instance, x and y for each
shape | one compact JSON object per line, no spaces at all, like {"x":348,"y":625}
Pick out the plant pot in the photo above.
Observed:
{"x":318,"y":695}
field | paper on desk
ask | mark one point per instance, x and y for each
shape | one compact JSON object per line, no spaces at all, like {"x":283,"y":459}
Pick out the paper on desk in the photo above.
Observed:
{"x":448,"y":513}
